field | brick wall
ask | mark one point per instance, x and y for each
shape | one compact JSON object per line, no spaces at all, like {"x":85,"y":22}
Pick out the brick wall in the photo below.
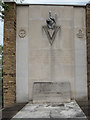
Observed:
{"x":9,"y":56}
{"x":88,"y":45}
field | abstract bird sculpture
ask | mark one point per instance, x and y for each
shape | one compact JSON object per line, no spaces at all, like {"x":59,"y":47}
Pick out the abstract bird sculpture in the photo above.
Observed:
{"x":51,"y":22}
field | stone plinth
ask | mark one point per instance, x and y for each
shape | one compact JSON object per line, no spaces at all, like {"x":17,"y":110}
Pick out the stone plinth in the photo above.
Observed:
{"x":51,"y":92}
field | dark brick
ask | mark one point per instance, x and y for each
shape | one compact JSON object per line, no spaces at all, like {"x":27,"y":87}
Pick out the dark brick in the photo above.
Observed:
{"x":88,"y":45}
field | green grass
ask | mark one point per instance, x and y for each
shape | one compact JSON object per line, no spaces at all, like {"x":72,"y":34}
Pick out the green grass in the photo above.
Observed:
{"x":0,"y":101}
{"x":0,"y":61}
{"x":0,"y":49}
{"x":0,"y":87}
{"x":1,"y":75}
{"x":0,"y":92}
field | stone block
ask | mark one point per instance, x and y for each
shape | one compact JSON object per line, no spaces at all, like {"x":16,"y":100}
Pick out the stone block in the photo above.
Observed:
{"x":51,"y":92}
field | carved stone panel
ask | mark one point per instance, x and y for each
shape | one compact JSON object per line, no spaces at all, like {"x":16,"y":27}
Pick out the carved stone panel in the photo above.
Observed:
{"x":22,"y":33}
{"x":80,"y":33}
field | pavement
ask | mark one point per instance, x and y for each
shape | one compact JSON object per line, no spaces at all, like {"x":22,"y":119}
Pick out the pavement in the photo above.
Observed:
{"x":62,"y":111}
{"x":11,"y":111}
{"x":85,"y":106}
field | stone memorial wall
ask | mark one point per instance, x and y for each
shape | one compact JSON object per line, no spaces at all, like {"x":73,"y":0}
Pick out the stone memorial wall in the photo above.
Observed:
{"x":29,"y":57}
{"x":39,"y":61}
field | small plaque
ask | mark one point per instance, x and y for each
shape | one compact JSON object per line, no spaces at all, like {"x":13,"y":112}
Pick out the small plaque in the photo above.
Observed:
{"x":22,"y":33}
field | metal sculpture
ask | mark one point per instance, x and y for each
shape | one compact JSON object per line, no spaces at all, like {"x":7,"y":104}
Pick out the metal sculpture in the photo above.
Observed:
{"x":51,"y":27}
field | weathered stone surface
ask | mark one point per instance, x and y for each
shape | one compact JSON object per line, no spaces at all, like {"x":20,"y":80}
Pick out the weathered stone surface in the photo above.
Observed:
{"x":80,"y":54}
{"x":9,"y":56}
{"x":51,"y":92}
{"x":67,"y":110}
{"x":22,"y":54}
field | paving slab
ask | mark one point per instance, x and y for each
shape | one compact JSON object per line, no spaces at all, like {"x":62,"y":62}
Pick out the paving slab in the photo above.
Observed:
{"x":62,"y":111}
